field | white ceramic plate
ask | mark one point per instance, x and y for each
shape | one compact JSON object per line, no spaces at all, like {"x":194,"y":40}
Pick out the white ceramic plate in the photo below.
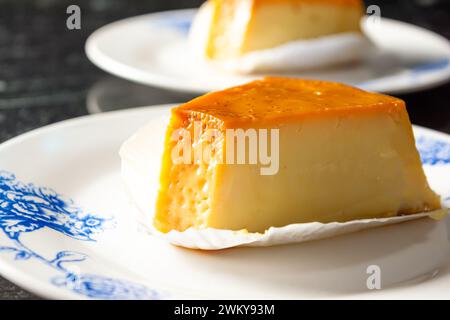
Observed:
{"x":88,"y":247}
{"x":152,"y":49}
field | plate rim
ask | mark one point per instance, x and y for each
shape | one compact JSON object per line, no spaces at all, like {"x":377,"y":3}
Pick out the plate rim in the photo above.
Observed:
{"x":38,"y":287}
{"x":77,"y":120}
{"x":117,"y":113}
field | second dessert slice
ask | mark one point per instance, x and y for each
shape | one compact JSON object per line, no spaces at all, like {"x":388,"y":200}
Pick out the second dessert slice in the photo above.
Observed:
{"x":237,"y":27}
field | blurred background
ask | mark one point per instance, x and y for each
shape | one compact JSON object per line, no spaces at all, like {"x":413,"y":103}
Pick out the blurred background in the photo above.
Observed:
{"x":45,"y":76}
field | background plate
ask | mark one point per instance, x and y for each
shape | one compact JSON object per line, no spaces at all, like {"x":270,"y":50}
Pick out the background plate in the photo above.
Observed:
{"x":152,"y":49}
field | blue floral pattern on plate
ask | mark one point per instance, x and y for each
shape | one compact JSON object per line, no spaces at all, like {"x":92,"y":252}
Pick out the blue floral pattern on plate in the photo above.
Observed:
{"x":179,"y":24}
{"x":100,"y":287}
{"x":433,"y":151}
{"x":27,"y":208}
{"x":432,"y":66}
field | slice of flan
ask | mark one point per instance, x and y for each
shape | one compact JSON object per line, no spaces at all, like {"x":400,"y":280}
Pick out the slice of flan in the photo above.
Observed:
{"x":279,"y":151}
{"x":237,"y":27}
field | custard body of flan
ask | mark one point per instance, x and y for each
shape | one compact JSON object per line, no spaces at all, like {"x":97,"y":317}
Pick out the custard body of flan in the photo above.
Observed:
{"x":343,"y":154}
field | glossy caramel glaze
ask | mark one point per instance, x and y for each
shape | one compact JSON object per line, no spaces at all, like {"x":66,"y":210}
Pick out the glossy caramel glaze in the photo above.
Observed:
{"x":276,"y":100}
{"x":353,"y":3}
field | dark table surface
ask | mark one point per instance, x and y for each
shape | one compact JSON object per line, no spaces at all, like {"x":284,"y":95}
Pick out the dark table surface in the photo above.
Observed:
{"x":45,"y":76}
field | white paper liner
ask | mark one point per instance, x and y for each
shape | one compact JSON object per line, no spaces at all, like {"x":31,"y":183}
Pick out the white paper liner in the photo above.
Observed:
{"x":141,"y":160}
{"x":293,"y":56}
{"x":216,"y":239}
